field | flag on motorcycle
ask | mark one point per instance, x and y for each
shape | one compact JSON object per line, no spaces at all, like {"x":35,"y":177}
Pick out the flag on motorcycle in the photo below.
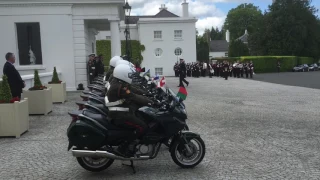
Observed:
{"x":182,"y":93}
{"x":156,"y":77}
{"x":162,"y":82}
{"x":147,"y":73}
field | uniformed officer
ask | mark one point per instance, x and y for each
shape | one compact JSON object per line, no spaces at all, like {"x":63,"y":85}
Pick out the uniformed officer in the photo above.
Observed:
{"x":225,"y":70}
{"x":230,"y":69}
{"x":99,"y":65}
{"x":91,"y":68}
{"x":246,"y":69}
{"x":123,"y":115}
{"x":241,"y":69}
{"x":251,"y":67}
{"x":176,"y":69}
{"x":112,"y":65}
{"x":278,"y":66}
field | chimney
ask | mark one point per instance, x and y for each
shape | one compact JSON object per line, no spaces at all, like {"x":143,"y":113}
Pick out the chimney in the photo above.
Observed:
{"x":163,"y":6}
{"x":185,"y":9}
{"x":227,"y":36}
{"x":246,"y":32}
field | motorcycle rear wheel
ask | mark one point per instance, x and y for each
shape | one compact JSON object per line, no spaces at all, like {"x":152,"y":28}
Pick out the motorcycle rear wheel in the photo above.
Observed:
{"x":95,"y":164}
{"x":182,"y":158}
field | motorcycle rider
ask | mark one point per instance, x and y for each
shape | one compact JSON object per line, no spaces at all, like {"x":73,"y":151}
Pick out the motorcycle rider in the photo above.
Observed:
{"x":112,"y":65}
{"x":124,"y":114}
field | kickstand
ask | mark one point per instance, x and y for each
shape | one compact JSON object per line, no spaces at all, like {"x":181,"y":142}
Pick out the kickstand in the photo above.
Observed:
{"x":131,"y":165}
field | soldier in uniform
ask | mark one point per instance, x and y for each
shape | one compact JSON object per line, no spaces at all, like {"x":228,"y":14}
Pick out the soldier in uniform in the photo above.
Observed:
{"x":278,"y":66}
{"x":176,"y":69}
{"x":225,"y":69}
{"x":99,"y":66}
{"x":230,"y":69}
{"x":123,"y":115}
{"x":241,"y":69}
{"x":112,"y":65}
{"x":91,"y":68}
{"x":183,"y":71}
{"x":251,"y":67}
{"x":218,"y":69}
{"x":246,"y":69}
{"x":189,"y":70}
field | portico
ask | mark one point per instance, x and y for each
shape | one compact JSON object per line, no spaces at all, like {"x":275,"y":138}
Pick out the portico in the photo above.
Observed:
{"x":63,"y":35}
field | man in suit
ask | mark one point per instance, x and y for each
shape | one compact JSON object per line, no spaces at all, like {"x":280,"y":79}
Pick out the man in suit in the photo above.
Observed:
{"x":14,"y":79}
{"x":183,"y":72}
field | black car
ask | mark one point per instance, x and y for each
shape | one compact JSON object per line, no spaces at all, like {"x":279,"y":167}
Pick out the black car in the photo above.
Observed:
{"x":313,"y":67}
{"x":300,"y":68}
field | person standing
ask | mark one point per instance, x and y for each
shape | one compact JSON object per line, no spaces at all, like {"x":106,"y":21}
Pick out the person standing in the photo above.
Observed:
{"x":278,"y":66}
{"x":91,"y":68}
{"x":246,"y":69}
{"x":241,"y":69}
{"x":176,"y":69}
{"x":251,"y":67}
{"x":183,"y":72}
{"x":99,"y":66}
{"x":14,"y":79}
{"x":226,"y":70}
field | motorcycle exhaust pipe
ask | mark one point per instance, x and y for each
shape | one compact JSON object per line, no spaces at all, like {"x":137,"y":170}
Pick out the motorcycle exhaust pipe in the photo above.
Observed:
{"x":104,"y":154}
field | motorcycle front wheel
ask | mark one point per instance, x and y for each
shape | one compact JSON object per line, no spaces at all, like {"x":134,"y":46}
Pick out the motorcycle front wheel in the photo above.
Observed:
{"x":186,"y":128}
{"x":94,"y":164}
{"x":188,"y":158}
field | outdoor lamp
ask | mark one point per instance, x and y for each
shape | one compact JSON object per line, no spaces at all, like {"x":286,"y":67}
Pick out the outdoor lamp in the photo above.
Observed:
{"x":127,"y":9}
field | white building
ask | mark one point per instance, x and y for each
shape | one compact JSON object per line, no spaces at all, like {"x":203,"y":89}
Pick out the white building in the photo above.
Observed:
{"x":219,"y":48}
{"x":166,"y":37}
{"x":60,"y":33}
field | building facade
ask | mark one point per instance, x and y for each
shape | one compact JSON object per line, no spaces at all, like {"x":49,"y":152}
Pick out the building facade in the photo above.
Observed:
{"x":166,"y":37}
{"x":44,"y":34}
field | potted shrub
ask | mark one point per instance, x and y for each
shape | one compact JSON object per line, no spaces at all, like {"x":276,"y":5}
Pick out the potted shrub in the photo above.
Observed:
{"x":59,"y":90}
{"x":14,"y":113}
{"x":39,"y":97}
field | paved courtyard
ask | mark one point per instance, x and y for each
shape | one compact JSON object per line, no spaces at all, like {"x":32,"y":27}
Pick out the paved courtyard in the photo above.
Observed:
{"x":252,"y":130}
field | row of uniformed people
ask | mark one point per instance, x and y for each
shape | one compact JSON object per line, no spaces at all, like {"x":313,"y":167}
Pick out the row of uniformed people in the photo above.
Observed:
{"x":237,"y":69}
{"x":95,"y":67}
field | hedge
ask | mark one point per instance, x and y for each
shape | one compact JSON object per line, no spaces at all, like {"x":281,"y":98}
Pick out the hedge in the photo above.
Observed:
{"x":104,"y":48}
{"x":265,"y":64}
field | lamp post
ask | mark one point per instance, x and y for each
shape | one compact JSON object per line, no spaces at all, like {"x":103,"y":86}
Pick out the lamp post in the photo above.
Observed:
{"x":127,"y":10}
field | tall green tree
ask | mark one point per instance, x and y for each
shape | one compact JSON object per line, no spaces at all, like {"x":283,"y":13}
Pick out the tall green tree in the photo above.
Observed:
{"x":237,"y":48}
{"x":245,"y":16}
{"x":289,"y":27}
{"x":202,"y":48}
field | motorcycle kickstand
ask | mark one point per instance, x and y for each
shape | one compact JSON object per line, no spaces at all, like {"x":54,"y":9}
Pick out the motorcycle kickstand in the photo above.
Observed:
{"x":131,"y":165}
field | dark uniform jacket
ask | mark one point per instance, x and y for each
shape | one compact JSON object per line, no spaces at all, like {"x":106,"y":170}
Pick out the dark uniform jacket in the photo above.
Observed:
{"x":133,"y":88}
{"x":14,"y":79}
{"x":122,"y":91}
{"x":182,"y":69}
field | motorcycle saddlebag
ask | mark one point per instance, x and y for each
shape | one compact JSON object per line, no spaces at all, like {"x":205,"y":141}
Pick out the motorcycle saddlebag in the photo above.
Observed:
{"x":83,"y":134}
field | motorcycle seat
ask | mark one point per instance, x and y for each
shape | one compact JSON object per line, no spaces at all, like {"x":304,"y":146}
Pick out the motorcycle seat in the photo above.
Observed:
{"x":101,"y":107}
{"x":98,"y":117}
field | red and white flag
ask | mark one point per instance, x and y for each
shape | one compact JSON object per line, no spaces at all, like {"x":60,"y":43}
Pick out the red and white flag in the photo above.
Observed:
{"x":162,"y":82}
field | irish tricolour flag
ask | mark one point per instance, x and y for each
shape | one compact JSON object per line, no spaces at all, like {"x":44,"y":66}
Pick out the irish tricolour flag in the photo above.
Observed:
{"x":182,"y":93}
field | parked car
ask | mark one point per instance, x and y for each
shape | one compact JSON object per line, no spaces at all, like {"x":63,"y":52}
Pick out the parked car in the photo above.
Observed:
{"x":313,"y":67}
{"x":300,"y":68}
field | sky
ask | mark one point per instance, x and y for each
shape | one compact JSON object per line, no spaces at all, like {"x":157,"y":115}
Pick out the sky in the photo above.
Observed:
{"x":208,"y":12}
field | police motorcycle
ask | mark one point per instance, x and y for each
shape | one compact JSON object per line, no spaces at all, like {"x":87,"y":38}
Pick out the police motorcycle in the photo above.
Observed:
{"x":93,"y":139}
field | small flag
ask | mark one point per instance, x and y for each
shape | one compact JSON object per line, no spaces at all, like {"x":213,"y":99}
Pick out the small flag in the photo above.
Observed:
{"x":182,"y":93}
{"x":162,"y":82}
{"x":156,"y":77}
{"x":147,"y":73}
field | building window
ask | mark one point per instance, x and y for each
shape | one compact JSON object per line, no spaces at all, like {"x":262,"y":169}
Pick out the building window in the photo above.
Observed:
{"x":226,"y":54}
{"x":178,"y":51}
{"x":159,"y":71}
{"x":158,"y":52}
{"x":177,"y":34}
{"x":108,"y":37}
{"x":157,"y":35}
{"x":29,"y":43}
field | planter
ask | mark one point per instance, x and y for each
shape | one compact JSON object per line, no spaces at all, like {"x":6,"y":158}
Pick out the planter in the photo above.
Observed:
{"x":40,"y":101}
{"x":14,"y":118}
{"x":59,"y":92}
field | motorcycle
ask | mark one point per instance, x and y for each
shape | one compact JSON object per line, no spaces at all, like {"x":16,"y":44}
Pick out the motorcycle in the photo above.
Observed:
{"x":92,"y":138}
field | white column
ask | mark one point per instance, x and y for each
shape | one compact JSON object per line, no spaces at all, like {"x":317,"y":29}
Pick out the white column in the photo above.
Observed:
{"x":115,"y":39}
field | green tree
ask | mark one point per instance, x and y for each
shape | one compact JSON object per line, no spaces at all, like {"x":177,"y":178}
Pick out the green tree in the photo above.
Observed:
{"x":202,"y":49}
{"x":289,"y":27}
{"x":37,"y":81}
{"x":237,"y":48}
{"x":245,"y":16}
{"x":55,"y":77}
{"x":5,"y":92}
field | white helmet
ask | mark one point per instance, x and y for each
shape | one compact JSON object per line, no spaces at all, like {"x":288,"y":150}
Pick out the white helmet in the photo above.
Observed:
{"x":123,"y":72}
{"x":122,"y":62}
{"x":114,"y":61}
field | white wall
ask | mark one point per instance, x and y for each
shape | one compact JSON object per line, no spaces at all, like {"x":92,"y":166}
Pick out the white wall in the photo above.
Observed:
{"x":168,"y":44}
{"x":56,"y":38}
{"x":134,"y":35}
{"x":217,"y":54}
{"x":103,"y":34}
